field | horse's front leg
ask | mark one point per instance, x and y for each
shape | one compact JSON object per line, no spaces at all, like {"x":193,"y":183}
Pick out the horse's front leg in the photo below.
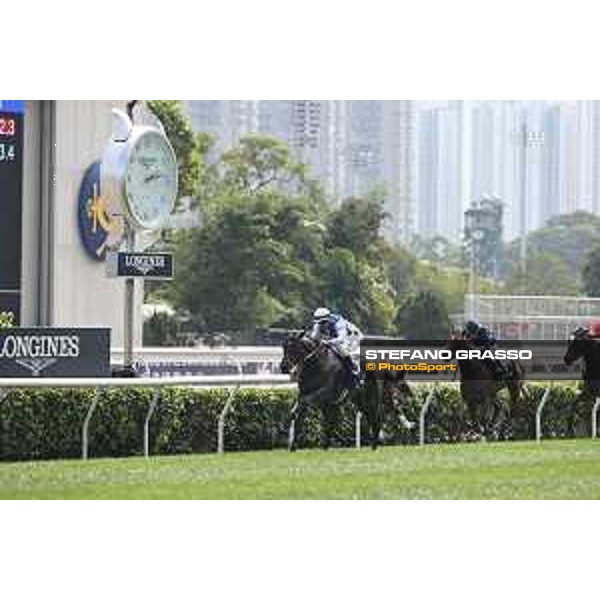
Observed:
{"x":329,"y":419}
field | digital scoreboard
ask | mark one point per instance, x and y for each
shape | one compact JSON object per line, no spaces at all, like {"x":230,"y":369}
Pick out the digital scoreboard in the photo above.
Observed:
{"x":11,"y":188}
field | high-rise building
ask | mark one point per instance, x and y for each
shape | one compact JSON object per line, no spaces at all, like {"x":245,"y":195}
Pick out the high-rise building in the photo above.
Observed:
{"x":351,"y":147}
{"x":399,"y":168}
{"x":440,"y":196}
{"x":586,"y":161}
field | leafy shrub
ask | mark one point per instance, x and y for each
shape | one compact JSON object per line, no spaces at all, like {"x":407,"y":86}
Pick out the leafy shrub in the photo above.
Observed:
{"x":40,"y":424}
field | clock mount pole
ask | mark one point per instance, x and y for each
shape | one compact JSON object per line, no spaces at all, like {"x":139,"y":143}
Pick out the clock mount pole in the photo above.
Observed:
{"x":129,"y":285}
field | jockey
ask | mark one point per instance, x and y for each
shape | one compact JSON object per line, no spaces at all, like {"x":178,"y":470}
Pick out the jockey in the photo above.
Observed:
{"x":479,"y":336}
{"x":482,"y":338}
{"x":341,"y":334}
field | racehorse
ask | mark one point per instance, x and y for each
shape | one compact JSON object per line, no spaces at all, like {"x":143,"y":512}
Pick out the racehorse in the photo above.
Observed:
{"x":325,"y":382}
{"x":479,"y":388}
{"x":582,"y":346}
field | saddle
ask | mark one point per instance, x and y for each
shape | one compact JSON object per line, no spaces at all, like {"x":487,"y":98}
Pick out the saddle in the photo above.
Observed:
{"x":347,"y":363}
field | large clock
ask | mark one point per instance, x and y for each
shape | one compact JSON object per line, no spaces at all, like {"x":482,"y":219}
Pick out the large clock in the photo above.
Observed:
{"x":139,"y":174}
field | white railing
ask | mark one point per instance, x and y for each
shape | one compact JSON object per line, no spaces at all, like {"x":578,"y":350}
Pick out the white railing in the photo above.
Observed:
{"x":235,"y":382}
{"x":431,"y":396}
{"x":538,"y":413}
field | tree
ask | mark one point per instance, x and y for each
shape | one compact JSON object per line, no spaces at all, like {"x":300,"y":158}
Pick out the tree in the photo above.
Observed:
{"x":591,"y":273}
{"x":401,"y":266}
{"x":252,"y":265}
{"x":566,"y":237}
{"x":545,"y":275}
{"x":185,"y":143}
{"x":437,"y":249}
{"x":357,"y":226}
{"x":261,"y":161}
{"x":423,"y":316}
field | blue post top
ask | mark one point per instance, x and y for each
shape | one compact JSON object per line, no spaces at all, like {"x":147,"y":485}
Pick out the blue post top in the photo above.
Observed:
{"x":12,"y":106}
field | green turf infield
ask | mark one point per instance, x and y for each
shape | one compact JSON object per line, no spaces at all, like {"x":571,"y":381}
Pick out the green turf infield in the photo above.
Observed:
{"x":507,"y":470}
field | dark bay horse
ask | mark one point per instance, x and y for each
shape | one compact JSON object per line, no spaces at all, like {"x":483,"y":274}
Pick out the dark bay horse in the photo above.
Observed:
{"x":324,"y":382}
{"x":583,"y":346}
{"x":479,"y":388}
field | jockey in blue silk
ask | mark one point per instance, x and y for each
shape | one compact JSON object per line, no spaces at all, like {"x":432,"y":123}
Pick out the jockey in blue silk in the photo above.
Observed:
{"x":479,"y":336}
{"x":342,"y":335}
{"x":482,"y":338}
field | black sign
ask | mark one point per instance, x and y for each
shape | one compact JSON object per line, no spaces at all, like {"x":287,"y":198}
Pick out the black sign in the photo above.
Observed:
{"x":149,"y":265}
{"x":50,"y":352}
{"x":11,"y":177}
{"x":437,"y":360}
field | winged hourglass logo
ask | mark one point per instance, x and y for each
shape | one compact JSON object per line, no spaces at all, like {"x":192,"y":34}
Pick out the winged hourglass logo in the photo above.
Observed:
{"x":36,"y":365}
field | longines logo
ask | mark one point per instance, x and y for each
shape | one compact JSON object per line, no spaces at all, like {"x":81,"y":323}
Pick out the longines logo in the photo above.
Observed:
{"x":145,"y":263}
{"x":149,"y":265}
{"x":55,"y":352}
{"x":38,"y":352}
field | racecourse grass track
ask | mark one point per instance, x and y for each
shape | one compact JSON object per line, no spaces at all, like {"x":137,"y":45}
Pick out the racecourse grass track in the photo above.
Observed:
{"x":553,"y":469}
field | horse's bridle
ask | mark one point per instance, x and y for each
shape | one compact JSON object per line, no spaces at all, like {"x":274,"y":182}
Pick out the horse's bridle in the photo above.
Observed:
{"x":296,"y":368}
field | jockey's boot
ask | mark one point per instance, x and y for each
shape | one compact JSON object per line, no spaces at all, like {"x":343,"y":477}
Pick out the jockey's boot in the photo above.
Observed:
{"x":353,"y":372}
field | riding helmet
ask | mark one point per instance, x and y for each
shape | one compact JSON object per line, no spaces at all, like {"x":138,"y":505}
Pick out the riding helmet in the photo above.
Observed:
{"x":321,"y":314}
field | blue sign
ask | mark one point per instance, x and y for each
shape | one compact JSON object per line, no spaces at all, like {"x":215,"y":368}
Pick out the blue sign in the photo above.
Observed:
{"x":93,"y":220}
{"x":12,"y":106}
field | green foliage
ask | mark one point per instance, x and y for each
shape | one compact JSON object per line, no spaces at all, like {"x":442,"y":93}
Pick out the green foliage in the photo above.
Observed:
{"x":566,"y":237}
{"x":42,"y":424}
{"x":161,"y":329}
{"x":357,"y":225}
{"x":260,"y":162}
{"x":181,"y":135}
{"x":423,"y":316}
{"x":545,"y":274}
{"x":591,"y":273}
{"x":277,"y":254}
{"x":6,"y":320}
{"x":438,"y":250}
{"x":250,"y":266}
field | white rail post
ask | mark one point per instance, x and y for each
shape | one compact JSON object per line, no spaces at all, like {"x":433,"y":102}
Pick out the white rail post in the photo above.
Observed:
{"x":3,"y":393}
{"x":595,"y":417}
{"x":538,"y":414}
{"x":221,"y":422}
{"x":423,"y":414}
{"x":151,"y":407}
{"x":357,"y":422}
{"x":86,"y":424}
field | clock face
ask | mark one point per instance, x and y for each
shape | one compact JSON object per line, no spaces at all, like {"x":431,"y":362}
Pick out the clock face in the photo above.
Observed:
{"x":151,"y":180}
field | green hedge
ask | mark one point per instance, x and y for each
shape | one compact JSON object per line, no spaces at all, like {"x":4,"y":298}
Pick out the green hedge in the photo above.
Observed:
{"x":40,"y":424}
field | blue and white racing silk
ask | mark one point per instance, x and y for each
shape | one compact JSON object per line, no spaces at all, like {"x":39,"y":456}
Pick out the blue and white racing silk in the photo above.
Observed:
{"x":343,"y":335}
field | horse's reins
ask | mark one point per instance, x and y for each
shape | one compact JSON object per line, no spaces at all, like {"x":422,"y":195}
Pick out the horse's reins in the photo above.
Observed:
{"x":301,"y":362}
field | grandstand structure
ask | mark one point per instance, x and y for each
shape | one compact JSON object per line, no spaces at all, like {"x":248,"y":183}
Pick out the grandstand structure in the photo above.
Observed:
{"x":531,"y":317}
